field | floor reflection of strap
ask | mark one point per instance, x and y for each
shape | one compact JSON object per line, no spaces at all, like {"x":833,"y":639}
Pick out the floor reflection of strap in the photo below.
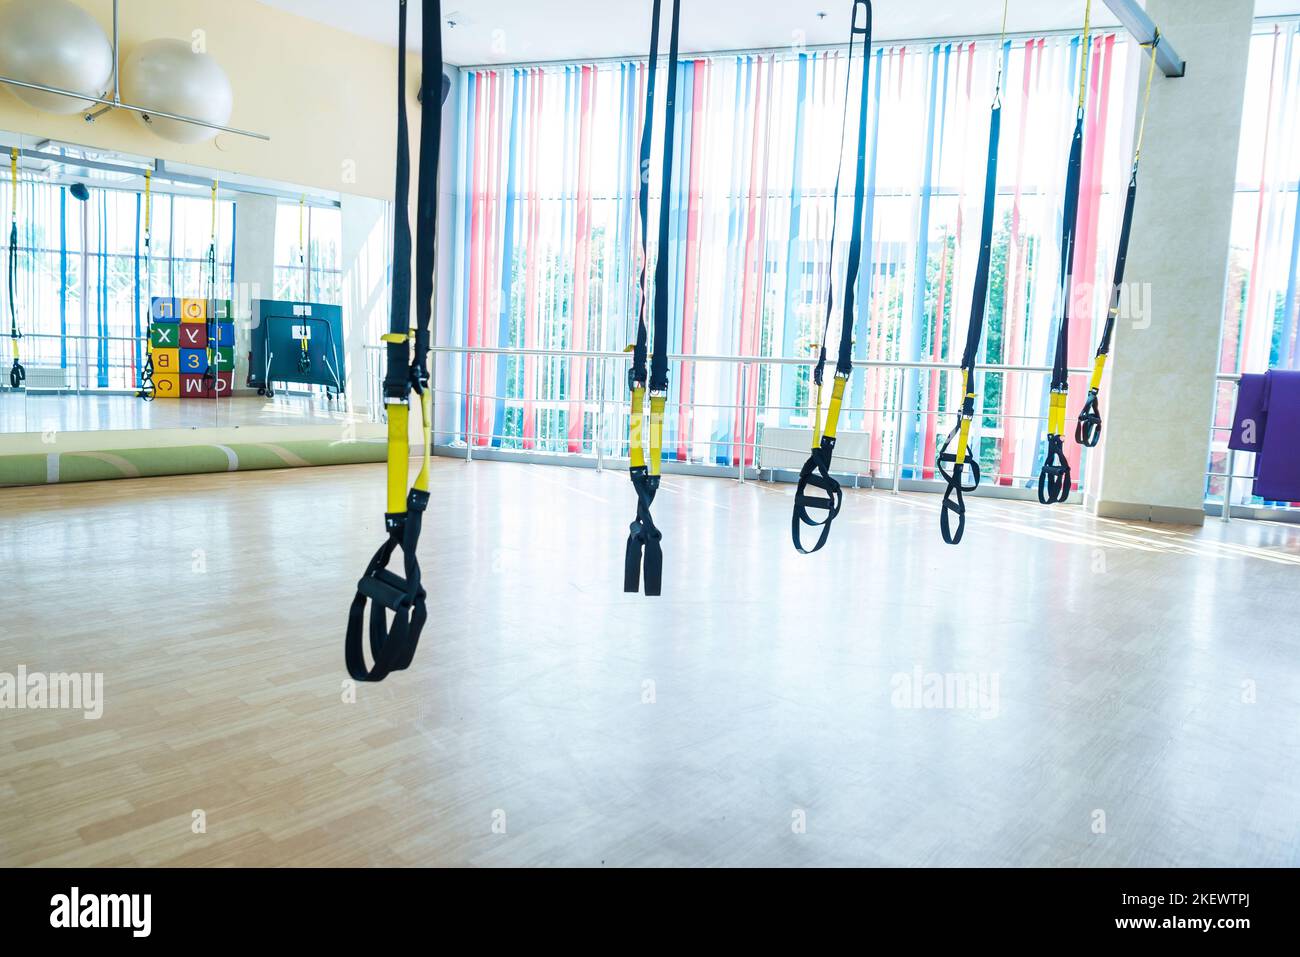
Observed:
{"x":811,"y":509}
{"x":17,"y":373}
{"x":392,"y":646}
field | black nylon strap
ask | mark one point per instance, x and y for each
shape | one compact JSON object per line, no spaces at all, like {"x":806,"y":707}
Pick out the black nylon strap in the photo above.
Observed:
{"x":1069,"y":234}
{"x":659,"y":359}
{"x":1087,"y":432}
{"x":644,"y":538}
{"x":392,"y":647}
{"x":953,"y":502}
{"x":17,"y":374}
{"x":813,"y":510}
{"x":638,"y":373}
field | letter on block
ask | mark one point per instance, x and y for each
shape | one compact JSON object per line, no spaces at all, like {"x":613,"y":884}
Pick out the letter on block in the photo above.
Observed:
{"x":225,"y":383}
{"x":194,"y":335}
{"x":195,"y":387}
{"x":194,"y":361}
{"x":165,"y":335}
{"x":165,"y":309}
{"x":167,"y":385}
{"x":194,"y":310}
{"x":166,"y":361}
{"x":226,"y":334}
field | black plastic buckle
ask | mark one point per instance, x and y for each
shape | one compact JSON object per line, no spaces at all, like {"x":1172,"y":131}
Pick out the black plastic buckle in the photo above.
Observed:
{"x":392,"y":647}
{"x":1054,"y":480}
{"x":817,"y":473}
{"x":1087,"y":431}
{"x":17,"y":375}
{"x":644,"y":551}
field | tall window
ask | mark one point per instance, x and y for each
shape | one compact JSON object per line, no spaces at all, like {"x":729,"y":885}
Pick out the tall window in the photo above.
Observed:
{"x":83,"y":288}
{"x":1263,"y":295}
{"x":547,"y":234}
{"x":308,"y":254}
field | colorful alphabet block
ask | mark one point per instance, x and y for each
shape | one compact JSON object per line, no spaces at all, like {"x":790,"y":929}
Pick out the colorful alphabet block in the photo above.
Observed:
{"x":166,"y":361}
{"x":165,"y":335}
{"x":194,"y":361}
{"x":196,"y":387}
{"x":194,"y":310}
{"x":194,"y":335}
{"x":167,"y":385}
{"x":224,"y":383}
{"x":219,"y":310}
{"x":223,"y":358}
{"x":165,"y":309}
{"x":225,"y":334}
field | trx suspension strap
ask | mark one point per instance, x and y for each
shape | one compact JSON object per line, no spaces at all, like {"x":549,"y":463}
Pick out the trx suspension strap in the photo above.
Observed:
{"x":1054,"y":480}
{"x":959,"y":458}
{"x":817,"y":470}
{"x":304,"y":356}
{"x":17,"y":374}
{"x":1087,"y":432}
{"x":209,"y":374}
{"x":393,"y":646}
{"x":148,"y":390}
{"x":644,"y":552}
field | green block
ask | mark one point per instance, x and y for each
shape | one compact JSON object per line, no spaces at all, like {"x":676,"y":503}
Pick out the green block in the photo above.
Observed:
{"x":223,"y":358}
{"x":219,"y":309}
{"x":165,"y":335}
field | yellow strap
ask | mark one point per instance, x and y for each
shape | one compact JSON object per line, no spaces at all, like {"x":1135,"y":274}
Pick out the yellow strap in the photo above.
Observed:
{"x":1083,"y":70}
{"x":13,"y":179}
{"x":837,"y":398}
{"x":656,"y":431}
{"x":399,"y":455}
{"x":1098,"y":366}
{"x":214,"y":211}
{"x":395,"y":337}
{"x":148,"y":202}
{"x":1056,"y":413}
{"x":426,"y":417}
{"x":1146,"y":97}
{"x":635,"y":428}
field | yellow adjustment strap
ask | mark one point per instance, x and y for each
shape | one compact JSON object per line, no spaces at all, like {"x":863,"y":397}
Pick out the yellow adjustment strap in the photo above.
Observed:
{"x":963,"y":437}
{"x":635,"y":427}
{"x":1056,"y":414}
{"x":837,"y":398}
{"x":399,"y":455}
{"x":1098,"y":366}
{"x":13,"y":179}
{"x":817,"y":416}
{"x":426,"y":414}
{"x":148,"y":202}
{"x":214,"y":210}
{"x":656,"y":431}
{"x":395,"y":337}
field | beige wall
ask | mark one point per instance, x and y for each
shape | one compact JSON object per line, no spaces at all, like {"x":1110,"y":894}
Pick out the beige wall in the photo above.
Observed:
{"x":325,"y":97}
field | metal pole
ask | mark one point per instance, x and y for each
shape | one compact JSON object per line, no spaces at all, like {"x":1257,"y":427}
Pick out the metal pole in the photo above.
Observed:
{"x":744,"y":408}
{"x":1136,"y":22}
{"x":469,"y":410}
{"x":1227,"y":489}
{"x":898,"y":433}
{"x":600,"y":417}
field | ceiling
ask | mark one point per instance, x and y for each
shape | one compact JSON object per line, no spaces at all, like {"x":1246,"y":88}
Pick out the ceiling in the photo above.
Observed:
{"x":525,"y":31}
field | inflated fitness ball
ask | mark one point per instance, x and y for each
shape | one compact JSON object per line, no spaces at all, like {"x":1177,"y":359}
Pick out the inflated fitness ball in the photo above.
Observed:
{"x":168,"y":75}
{"x":57,"y":43}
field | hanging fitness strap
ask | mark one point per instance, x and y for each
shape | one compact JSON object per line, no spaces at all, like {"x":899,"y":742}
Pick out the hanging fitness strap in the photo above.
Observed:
{"x":1087,"y":431}
{"x":17,"y":374}
{"x":953,"y":503}
{"x":817,"y":470}
{"x":304,"y":355}
{"x":1054,"y":480}
{"x":210,"y":306}
{"x":148,"y":390}
{"x":393,"y":647}
{"x":644,"y":552}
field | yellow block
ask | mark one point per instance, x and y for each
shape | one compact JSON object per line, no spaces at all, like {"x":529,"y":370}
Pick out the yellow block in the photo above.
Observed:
{"x":166,"y":361}
{"x":194,"y":310}
{"x":167,"y":385}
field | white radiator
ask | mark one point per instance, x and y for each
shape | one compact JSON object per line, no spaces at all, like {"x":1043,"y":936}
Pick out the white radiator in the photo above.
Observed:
{"x":789,"y":448}
{"x":46,"y":377}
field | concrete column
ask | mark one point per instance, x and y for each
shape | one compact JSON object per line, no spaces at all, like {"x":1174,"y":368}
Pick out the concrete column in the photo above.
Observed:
{"x":1158,"y":400}
{"x":254,"y":269}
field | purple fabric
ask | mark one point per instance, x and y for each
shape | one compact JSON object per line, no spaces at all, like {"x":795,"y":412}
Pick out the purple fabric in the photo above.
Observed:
{"x":1277,"y":470}
{"x":1250,"y":408}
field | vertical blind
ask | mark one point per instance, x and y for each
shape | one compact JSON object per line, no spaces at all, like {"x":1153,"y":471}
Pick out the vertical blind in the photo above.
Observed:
{"x":546,"y":240}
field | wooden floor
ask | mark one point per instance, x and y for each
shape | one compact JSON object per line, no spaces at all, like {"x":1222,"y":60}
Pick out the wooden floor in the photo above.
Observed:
{"x":1148,"y":674}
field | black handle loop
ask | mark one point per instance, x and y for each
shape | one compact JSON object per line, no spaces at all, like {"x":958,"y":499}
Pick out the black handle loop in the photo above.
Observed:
{"x":816,"y":511}
{"x":945,"y":458}
{"x":953,"y":504}
{"x":148,"y":388}
{"x":1087,"y":431}
{"x":392,"y":647}
{"x":1054,"y":480}
{"x":304,"y":361}
{"x":644,"y":552}
{"x":17,"y":375}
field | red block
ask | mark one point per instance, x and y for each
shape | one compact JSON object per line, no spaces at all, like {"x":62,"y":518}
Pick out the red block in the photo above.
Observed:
{"x":194,"y":335}
{"x":195,"y":387}
{"x":224,"y":384}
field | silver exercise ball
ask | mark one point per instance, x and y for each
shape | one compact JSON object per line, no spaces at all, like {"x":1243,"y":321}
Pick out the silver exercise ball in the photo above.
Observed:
{"x":168,"y":75}
{"x":57,"y":43}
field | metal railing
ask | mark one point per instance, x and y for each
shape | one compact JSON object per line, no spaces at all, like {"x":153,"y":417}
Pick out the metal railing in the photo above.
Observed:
{"x":606,"y":412}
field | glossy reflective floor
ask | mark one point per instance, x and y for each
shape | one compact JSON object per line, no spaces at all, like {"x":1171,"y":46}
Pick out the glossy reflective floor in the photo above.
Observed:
{"x":1134,"y":690}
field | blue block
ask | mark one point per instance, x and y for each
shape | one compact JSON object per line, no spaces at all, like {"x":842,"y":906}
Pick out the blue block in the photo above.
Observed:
{"x":165,"y":309}
{"x":225,"y":333}
{"x":194,"y":361}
